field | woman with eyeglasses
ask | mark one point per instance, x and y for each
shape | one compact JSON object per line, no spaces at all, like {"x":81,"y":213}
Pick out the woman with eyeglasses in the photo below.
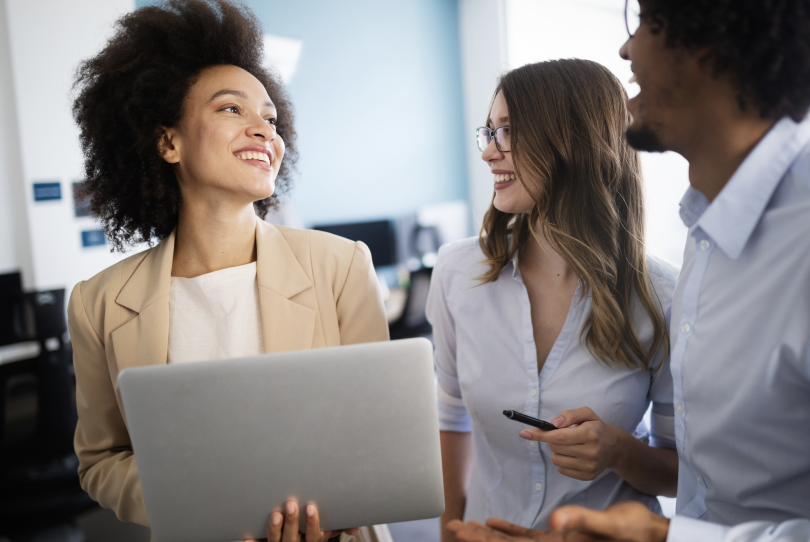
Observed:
{"x":554,"y":311}
{"x":187,"y":140}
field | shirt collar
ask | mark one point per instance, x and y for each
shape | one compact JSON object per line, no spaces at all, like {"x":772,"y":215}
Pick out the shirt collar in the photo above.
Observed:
{"x":731,"y":218}
{"x":693,"y":205}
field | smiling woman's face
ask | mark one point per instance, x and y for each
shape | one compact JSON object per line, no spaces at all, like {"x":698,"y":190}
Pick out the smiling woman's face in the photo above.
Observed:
{"x":510,"y":196}
{"x":226,"y":146}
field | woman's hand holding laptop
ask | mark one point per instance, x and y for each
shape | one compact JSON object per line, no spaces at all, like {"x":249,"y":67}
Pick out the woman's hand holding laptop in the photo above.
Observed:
{"x":284,"y":527}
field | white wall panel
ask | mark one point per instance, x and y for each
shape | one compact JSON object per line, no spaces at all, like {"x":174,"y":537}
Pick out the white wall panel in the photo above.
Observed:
{"x":48,"y":39}
{"x":484,"y":57}
{"x":15,"y":253}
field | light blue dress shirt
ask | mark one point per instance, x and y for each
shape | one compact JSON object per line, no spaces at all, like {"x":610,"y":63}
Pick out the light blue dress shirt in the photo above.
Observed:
{"x":486,"y":362}
{"x":741,"y":351}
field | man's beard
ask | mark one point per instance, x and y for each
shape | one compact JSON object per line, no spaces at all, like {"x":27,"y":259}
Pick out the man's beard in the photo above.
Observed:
{"x":644,"y":138}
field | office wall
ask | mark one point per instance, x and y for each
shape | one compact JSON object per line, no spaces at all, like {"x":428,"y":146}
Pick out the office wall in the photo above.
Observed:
{"x":484,"y":55}
{"x":378,"y":103}
{"x":15,"y":251}
{"x":379,"y":115}
{"x":47,"y":40}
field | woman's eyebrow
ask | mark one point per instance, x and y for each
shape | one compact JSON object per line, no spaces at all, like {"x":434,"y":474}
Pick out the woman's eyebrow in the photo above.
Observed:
{"x":228,"y":91}
{"x":238,"y":93}
{"x":502,"y":120}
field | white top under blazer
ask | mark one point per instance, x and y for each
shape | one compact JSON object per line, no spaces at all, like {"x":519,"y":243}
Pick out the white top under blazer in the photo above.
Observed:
{"x":215,"y":316}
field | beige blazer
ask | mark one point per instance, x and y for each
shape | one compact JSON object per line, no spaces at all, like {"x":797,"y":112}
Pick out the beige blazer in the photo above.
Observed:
{"x":315,"y":290}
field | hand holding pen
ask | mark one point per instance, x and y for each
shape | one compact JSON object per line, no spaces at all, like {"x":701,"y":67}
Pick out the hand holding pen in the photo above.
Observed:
{"x":582,"y":452}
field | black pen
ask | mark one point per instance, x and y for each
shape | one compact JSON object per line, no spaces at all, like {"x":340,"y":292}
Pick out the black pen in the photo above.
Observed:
{"x":528,"y":420}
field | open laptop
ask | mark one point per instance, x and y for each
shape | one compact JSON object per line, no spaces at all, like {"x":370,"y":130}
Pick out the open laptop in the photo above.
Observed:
{"x":220,"y":444}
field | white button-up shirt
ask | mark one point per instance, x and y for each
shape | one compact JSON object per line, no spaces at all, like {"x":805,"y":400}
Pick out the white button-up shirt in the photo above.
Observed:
{"x":741,"y":351}
{"x":486,"y":362}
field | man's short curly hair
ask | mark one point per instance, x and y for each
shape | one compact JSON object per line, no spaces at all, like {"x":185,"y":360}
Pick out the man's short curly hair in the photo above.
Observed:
{"x":764,"y":44}
{"x":137,"y":85}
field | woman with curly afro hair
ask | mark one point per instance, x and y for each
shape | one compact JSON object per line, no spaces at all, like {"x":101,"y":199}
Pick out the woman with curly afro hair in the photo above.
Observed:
{"x":187,"y":142}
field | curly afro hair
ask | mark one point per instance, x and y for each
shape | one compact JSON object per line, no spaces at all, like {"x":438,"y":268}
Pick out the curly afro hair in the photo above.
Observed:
{"x":764,"y":43}
{"x":137,"y":85}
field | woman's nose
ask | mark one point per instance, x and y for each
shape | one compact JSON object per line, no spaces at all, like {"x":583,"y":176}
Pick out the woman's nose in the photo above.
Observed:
{"x":260,"y":128}
{"x":491,"y":152}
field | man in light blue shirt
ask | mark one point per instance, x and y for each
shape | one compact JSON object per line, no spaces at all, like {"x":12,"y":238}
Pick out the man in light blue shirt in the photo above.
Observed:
{"x":727,"y":86}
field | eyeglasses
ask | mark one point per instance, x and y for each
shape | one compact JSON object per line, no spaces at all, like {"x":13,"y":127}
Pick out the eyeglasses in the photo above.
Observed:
{"x":484,"y":136}
{"x":632,"y":16}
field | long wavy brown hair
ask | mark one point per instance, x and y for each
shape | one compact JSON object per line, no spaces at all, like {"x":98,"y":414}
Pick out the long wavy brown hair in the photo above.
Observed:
{"x":567,"y":121}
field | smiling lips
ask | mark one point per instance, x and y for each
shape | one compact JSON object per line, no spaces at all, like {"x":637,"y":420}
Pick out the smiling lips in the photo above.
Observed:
{"x":253,"y":155}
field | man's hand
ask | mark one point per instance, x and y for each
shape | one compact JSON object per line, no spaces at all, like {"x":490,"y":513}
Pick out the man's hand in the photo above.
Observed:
{"x":627,"y":521}
{"x":630,"y":521}
{"x":498,"y":530}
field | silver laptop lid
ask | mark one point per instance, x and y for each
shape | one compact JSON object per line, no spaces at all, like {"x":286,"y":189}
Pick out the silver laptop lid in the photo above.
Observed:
{"x":220,"y":444}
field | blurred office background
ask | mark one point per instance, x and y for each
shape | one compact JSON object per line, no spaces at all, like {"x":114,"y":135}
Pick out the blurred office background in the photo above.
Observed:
{"x":387,"y":96}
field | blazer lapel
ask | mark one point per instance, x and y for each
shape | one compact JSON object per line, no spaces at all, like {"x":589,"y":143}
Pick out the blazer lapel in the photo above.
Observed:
{"x":144,"y":340}
{"x":286,"y":324}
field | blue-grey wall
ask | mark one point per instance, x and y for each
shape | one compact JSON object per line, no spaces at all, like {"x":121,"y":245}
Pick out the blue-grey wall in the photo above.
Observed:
{"x":378,"y":103}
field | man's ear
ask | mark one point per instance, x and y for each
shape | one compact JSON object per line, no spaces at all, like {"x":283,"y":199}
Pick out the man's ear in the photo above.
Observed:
{"x":167,"y":145}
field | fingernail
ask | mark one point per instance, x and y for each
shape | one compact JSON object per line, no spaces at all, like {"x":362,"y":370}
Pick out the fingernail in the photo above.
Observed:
{"x":290,"y":508}
{"x":562,"y":518}
{"x":558,"y":421}
{"x":525,"y":434}
{"x":310,"y":510}
{"x":275,"y":518}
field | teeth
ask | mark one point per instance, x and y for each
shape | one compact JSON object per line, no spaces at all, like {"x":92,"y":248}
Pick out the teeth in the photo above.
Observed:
{"x":505,"y":177}
{"x":633,"y":79}
{"x":250,"y":155}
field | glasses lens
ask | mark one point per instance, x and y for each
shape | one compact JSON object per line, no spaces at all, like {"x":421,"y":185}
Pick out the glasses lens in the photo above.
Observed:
{"x":632,"y":16}
{"x":483,"y":137}
{"x":502,"y":139}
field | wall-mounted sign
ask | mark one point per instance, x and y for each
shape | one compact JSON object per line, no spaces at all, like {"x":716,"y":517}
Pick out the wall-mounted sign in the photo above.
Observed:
{"x":81,"y":205}
{"x":93,"y":238}
{"x":47,"y":191}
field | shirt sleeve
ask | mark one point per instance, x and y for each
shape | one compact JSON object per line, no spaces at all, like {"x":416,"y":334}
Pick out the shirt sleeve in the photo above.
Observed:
{"x":807,"y":364}
{"x":683,"y":529}
{"x":662,"y":417}
{"x":453,"y":415}
{"x":107,"y":469}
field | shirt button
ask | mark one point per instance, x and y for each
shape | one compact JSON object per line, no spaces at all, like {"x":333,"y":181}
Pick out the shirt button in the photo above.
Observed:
{"x":705,"y":245}
{"x":533,"y":444}
{"x":679,"y":408}
{"x":686,"y":328}
{"x":538,"y":486}
{"x":534,"y":392}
